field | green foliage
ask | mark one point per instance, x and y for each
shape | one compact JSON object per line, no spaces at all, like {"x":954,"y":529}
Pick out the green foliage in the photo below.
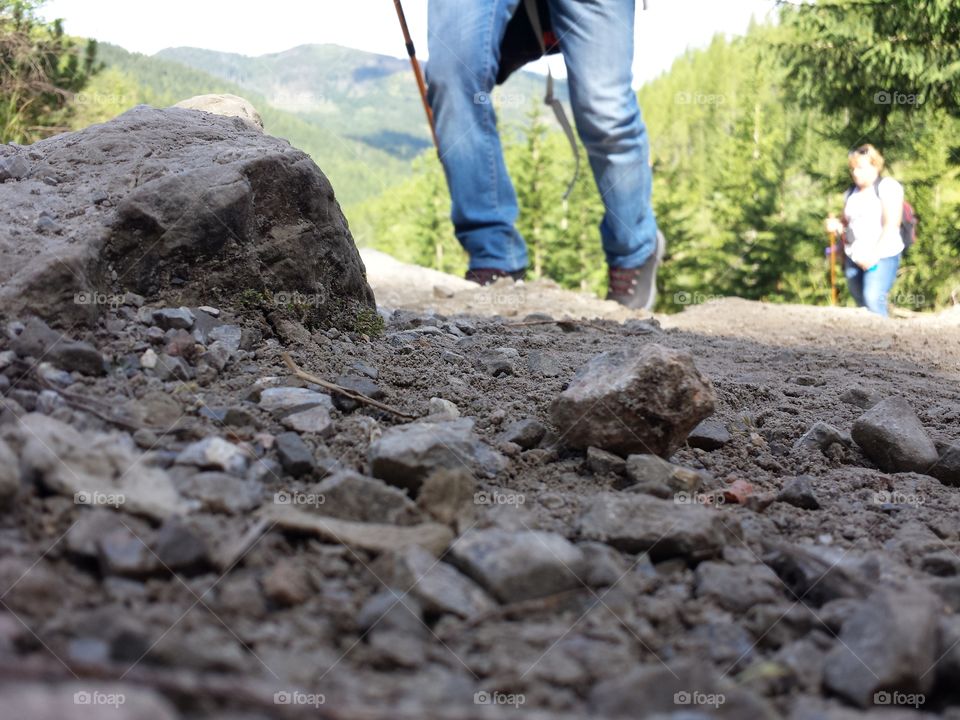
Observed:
{"x":40,"y":71}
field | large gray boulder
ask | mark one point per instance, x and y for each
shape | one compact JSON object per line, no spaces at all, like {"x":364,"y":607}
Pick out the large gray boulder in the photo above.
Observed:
{"x":180,"y":205}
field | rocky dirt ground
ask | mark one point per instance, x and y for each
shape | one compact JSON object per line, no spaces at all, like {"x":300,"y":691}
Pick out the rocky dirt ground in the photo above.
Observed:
{"x":190,"y":529}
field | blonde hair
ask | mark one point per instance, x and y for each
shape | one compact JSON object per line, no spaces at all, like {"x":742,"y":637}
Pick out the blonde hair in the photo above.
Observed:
{"x":876,"y":159}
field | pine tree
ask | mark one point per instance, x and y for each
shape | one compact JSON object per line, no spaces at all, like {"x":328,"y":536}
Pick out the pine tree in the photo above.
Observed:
{"x":41,"y":69}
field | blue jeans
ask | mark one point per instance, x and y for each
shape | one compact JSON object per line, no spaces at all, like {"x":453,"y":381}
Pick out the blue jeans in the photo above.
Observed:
{"x":596,"y":39}
{"x":870,"y":288}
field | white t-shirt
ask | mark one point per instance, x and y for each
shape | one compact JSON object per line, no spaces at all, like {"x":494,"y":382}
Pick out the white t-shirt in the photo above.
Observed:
{"x":864,"y":215}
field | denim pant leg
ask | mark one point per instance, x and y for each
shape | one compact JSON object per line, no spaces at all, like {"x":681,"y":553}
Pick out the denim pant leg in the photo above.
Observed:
{"x":596,"y":38}
{"x":854,"y":275}
{"x":464,"y":41}
{"x":877,"y":284}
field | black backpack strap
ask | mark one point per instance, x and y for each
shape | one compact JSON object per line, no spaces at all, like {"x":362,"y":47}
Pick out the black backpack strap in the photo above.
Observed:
{"x":551,"y":100}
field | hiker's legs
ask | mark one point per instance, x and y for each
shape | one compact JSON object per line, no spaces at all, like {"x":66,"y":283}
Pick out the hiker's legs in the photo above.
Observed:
{"x":854,"y":276}
{"x":877,"y":284}
{"x":596,"y":37}
{"x":464,"y":42}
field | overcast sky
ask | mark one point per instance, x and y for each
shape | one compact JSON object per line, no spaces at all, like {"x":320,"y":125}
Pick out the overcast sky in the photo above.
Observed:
{"x":663,"y":32}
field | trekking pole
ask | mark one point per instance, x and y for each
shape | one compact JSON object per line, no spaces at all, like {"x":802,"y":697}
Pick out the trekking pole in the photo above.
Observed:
{"x":833,"y":269}
{"x":412,"y":52}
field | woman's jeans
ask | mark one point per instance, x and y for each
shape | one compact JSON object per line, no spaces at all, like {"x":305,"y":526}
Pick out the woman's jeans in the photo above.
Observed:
{"x":596,"y":38}
{"x":871,"y":288}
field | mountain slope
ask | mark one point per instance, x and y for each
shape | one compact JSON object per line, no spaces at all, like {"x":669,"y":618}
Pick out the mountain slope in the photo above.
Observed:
{"x":363,"y":96}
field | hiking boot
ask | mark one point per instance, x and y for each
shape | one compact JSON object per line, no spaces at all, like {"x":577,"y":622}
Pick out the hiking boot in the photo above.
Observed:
{"x":485,"y":276}
{"x":637,"y":287}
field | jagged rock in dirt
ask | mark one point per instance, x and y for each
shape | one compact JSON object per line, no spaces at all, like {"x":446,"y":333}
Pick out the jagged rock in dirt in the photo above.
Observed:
{"x":438,"y":586}
{"x":652,"y":475}
{"x":376,"y":537}
{"x":709,"y":435}
{"x":687,"y":688}
{"x":94,"y":468}
{"x":123,"y":553}
{"x":891,"y":435}
{"x":296,"y":457}
{"x":362,"y":385}
{"x":860,"y":397}
{"x":9,"y":476}
{"x":737,"y":587}
{"x":189,"y":207}
{"x":392,"y":611}
{"x":179,"y":548}
{"x":219,"y":492}
{"x":605,"y":566}
{"x":348,"y":495}
{"x":543,"y":364}
{"x":889,"y":644}
{"x":448,"y":494}
{"x":181,"y":318}
{"x":224,"y":104}
{"x":602,"y":462}
{"x":798,"y":491}
{"x":526,"y":433}
{"x":820,"y":437}
{"x":84,"y":700}
{"x":282,"y":400}
{"x":663,"y":528}
{"x":441,"y":406}
{"x":406,"y":454}
{"x":818,"y":575}
{"x":39,"y":341}
{"x":522,"y":565}
{"x":92,"y":524}
{"x":314,"y":421}
{"x":636,"y":401}
{"x":947,"y":469}
{"x":215,"y":453}
{"x":286,"y":585}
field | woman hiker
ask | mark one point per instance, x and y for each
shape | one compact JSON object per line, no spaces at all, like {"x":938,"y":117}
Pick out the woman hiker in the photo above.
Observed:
{"x":870,"y":228}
